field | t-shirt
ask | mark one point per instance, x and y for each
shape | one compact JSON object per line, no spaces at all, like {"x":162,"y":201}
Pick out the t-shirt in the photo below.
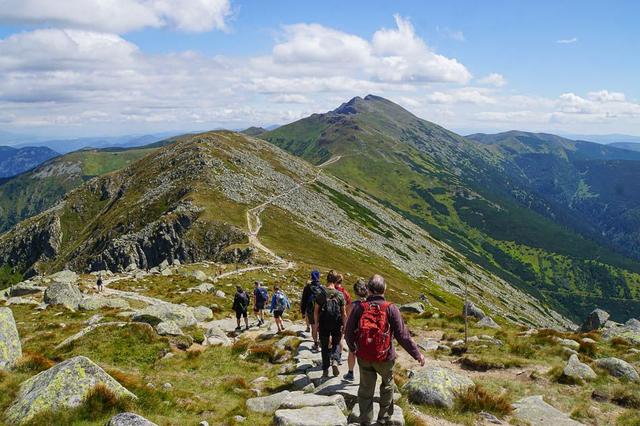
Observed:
{"x":345,"y":293}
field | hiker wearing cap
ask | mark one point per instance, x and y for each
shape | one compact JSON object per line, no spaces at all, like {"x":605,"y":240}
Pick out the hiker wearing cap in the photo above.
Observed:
{"x":307,"y":305}
{"x":241,"y":302}
{"x":260,"y":298}
{"x":369,"y":332}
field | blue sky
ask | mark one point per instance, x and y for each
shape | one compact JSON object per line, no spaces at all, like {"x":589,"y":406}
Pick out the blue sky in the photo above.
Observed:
{"x":85,"y":67}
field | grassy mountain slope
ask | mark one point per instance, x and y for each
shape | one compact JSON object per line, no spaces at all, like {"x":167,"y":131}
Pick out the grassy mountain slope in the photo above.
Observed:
{"x":465,"y":194}
{"x":188,"y":201}
{"x":36,"y":190}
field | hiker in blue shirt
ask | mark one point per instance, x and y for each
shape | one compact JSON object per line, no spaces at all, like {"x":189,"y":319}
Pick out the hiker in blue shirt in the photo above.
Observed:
{"x":279,"y":304}
{"x":260,"y":298}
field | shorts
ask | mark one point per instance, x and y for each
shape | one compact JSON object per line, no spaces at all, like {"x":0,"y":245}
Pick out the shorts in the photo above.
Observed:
{"x":277,"y":313}
{"x":258,"y":307}
{"x":241,"y":314}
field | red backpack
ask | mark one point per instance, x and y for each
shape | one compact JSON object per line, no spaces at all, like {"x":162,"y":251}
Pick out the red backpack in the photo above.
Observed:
{"x":373,"y":339}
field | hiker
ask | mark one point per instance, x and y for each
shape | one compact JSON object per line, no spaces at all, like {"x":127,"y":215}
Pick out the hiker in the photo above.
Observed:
{"x":308,"y":306}
{"x":303,"y":305}
{"x":369,"y":332}
{"x":240,"y":305}
{"x":347,"y":301}
{"x":279,"y":304}
{"x":99,"y":283}
{"x":260,"y":297}
{"x":360,"y":290}
{"x":330,"y":315}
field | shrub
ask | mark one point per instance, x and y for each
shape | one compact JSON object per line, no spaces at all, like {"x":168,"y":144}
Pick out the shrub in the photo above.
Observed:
{"x":588,"y":348}
{"x":620,"y":342}
{"x":625,"y":397}
{"x":33,"y":363}
{"x":101,"y":400}
{"x":521,"y":348}
{"x":477,"y":398}
{"x":480,"y":364}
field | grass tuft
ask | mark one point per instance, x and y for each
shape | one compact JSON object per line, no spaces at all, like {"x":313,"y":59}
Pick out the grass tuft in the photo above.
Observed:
{"x":33,"y":363}
{"x":477,"y":398}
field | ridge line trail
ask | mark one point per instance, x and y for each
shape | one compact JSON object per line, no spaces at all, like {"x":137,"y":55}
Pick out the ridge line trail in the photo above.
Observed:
{"x":253,"y":215}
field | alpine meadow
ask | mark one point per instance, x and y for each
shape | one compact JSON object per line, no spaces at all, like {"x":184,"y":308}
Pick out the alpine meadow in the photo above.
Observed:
{"x":229,"y":212}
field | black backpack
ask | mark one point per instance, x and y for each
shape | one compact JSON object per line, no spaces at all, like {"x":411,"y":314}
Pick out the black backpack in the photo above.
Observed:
{"x":331,"y":311}
{"x":314,"y":291}
{"x":243,"y":300}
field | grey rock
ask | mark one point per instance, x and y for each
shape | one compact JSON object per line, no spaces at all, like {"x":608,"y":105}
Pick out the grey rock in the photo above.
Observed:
{"x":436,"y":386}
{"x":596,"y":320}
{"x":129,"y":419}
{"x":568,"y":343}
{"x":239,"y":419}
{"x":429,"y":345}
{"x":536,"y":412}
{"x":310,"y":416}
{"x":25,"y":288}
{"x":578,"y":370}
{"x":202,"y":313}
{"x":92,"y":303}
{"x":214,"y":336}
{"x":487,"y":322}
{"x":64,"y":385}
{"x":470,"y":309}
{"x":294,"y":400}
{"x":154,"y":314}
{"x":21,"y":301}
{"x":63,"y":293}
{"x":65,"y":276}
{"x":202,"y":288}
{"x":94,"y":319}
{"x":415,"y":308}
{"x":300,"y":381}
{"x":630,"y":331}
{"x":619,"y":368}
{"x":268,"y":404}
{"x":10,"y":346}
{"x":168,"y":328}
{"x":199,"y":275}
{"x":221,"y":294}
{"x":397,"y":419}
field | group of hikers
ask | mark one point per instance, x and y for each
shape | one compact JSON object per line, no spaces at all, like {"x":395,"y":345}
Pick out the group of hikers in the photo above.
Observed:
{"x":368,"y":324}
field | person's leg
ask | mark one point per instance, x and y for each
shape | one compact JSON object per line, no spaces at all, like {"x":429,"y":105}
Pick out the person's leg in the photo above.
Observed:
{"x":336,"y":336}
{"x":306,"y":320}
{"x":314,"y":332}
{"x":238,"y":314}
{"x":351,"y":363}
{"x":324,"y":348}
{"x":366,"y":390}
{"x":385,"y":369}
{"x":246,"y":319}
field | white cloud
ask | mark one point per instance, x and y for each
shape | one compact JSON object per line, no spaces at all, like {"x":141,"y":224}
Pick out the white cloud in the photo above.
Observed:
{"x":465,"y":95}
{"x":606,"y":96}
{"x":451,"y":34}
{"x":119,"y":16}
{"x":493,"y":79}
{"x":567,"y":40}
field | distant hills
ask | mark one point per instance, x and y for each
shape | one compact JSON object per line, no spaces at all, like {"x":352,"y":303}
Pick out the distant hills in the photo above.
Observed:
{"x":14,"y":161}
{"x":554,"y":216}
{"x":631,"y":146}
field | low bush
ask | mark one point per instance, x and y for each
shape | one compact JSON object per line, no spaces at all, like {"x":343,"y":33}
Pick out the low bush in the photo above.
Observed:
{"x":477,"y":398}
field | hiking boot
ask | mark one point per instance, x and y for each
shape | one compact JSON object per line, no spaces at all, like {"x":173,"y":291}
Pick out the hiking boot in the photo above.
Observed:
{"x":334,"y":368}
{"x":349,"y":377}
{"x":247,"y":328}
{"x":238,"y":328}
{"x":325,"y":374}
{"x":308,"y":330}
{"x":315,"y":347}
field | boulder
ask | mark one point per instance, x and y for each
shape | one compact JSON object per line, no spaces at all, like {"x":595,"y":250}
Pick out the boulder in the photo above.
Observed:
{"x":21,"y":301}
{"x":294,"y":400}
{"x":436,"y":386}
{"x":220,"y":294}
{"x":129,"y":419}
{"x":578,"y":370}
{"x":414,"y":308}
{"x":154,"y":314}
{"x":300,"y":381}
{"x":268,"y":404}
{"x":10,"y":347}
{"x":63,"y":293}
{"x":65,"y":276}
{"x":202,"y":313}
{"x":214,"y":336}
{"x":429,"y":345}
{"x":92,"y":303}
{"x":310,"y":416}
{"x":64,"y":385}
{"x":24,"y":288}
{"x":397,"y":419}
{"x":202,"y":288}
{"x":568,"y":343}
{"x":487,"y":322}
{"x":199,"y":275}
{"x":596,"y":320}
{"x":469,"y":309}
{"x":629,"y":331}
{"x":168,"y":328}
{"x":619,"y":368}
{"x":535,"y":412}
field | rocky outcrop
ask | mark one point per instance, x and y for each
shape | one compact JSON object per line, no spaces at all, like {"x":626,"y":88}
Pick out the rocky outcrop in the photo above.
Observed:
{"x":487,"y":322}
{"x":25,"y":288}
{"x":629,"y":331}
{"x":436,"y":386}
{"x":64,"y":385}
{"x":577,"y":370}
{"x":168,"y":328}
{"x":155,"y":314}
{"x":596,"y":320}
{"x":470,"y":309}
{"x":92,"y":303}
{"x":214,"y":336}
{"x":619,"y":368}
{"x":414,"y":308}
{"x":10,"y":346}
{"x":310,"y":416}
{"x":63,"y":293}
{"x":535,"y":411}
{"x":268,"y":404}
{"x":129,"y":419}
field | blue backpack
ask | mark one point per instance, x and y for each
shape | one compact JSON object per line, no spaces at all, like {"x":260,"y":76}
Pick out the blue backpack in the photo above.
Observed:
{"x":262,"y":294}
{"x":281,"y":302}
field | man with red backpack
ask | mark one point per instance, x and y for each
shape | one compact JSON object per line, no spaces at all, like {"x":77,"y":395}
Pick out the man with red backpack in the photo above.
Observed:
{"x":369,"y":332}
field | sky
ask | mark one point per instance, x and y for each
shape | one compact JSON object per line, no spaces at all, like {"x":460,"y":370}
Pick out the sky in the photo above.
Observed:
{"x":110,"y":67}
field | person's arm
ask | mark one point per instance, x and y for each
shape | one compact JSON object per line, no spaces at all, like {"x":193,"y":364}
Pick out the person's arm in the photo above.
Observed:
{"x":402,"y":335}
{"x":350,"y":327}
{"x":273,"y":303}
{"x":304,"y":299}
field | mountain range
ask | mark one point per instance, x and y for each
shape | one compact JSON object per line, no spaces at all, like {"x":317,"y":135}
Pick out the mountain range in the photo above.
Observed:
{"x":14,"y":161}
{"x":529,"y":224}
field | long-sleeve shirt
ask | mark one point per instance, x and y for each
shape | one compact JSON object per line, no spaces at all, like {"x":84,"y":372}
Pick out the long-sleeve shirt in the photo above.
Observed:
{"x":274,"y":301}
{"x":304,"y":300}
{"x":398,"y":329}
